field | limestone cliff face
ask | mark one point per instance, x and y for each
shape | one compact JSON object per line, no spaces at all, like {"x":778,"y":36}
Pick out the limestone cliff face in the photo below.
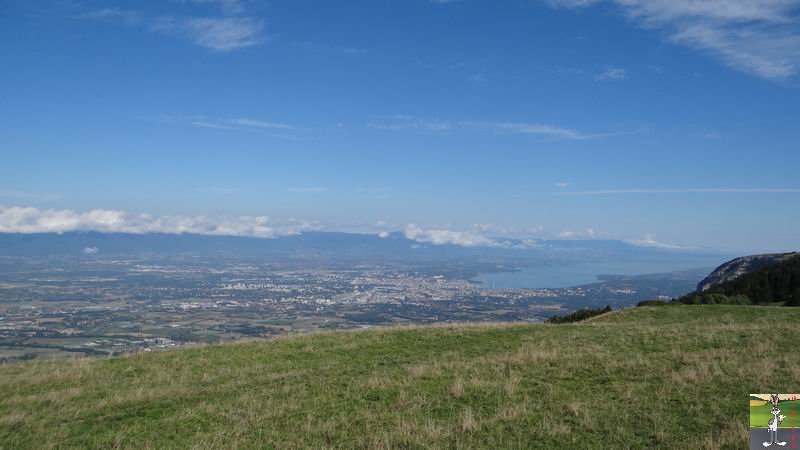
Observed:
{"x":740,"y":266}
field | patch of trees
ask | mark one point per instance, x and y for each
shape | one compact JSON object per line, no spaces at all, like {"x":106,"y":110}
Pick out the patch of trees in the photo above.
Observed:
{"x":705,"y":298}
{"x":653,"y":303}
{"x":579,"y":315}
{"x":776,"y":283}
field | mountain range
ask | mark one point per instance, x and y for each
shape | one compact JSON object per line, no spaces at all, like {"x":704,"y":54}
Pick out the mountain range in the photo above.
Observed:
{"x":350,"y":247}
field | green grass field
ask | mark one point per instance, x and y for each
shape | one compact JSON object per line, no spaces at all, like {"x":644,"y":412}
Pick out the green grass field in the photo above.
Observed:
{"x":664,"y":377}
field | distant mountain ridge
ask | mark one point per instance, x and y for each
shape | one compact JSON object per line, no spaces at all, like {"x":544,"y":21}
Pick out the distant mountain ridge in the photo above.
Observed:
{"x":740,"y":266}
{"x":356,"y":245}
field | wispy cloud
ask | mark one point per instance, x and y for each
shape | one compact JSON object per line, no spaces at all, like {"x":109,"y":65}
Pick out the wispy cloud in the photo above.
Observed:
{"x":551,"y":131}
{"x":330,"y":48}
{"x":227,"y":6}
{"x":611,"y":74}
{"x":571,"y":3}
{"x":686,"y":191}
{"x":539,"y":129}
{"x":22,"y":195}
{"x":477,"y":78}
{"x":114,"y":14}
{"x":226,"y":32}
{"x":439,"y":126}
{"x":708,"y":135}
{"x":216,"y":126}
{"x":405,"y":123}
{"x":761,"y":37}
{"x":214,"y":33}
{"x":34,"y":220}
{"x":274,"y":129}
{"x":255,"y":123}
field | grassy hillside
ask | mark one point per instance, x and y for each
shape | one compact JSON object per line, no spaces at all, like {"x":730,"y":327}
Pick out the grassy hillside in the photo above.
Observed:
{"x":676,"y":377}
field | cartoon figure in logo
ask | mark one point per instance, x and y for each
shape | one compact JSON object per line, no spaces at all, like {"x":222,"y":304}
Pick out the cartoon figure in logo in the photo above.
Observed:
{"x":774,"y":422}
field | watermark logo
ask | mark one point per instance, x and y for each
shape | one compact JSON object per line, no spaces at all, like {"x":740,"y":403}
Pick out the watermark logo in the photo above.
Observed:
{"x":773,"y":420}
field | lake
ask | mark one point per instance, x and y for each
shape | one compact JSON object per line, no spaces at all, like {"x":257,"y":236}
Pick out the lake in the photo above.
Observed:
{"x":576,"y":274}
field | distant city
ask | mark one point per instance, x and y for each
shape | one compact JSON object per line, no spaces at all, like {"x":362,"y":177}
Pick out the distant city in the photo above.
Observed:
{"x":61,"y":306}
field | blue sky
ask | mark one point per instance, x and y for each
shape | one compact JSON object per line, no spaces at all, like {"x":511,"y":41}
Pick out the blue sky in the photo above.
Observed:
{"x":662,"y":122}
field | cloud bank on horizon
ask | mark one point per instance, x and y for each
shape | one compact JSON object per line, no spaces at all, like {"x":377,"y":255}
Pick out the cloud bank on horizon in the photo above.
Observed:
{"x":17,"y":219}
{"x":30,"y":220}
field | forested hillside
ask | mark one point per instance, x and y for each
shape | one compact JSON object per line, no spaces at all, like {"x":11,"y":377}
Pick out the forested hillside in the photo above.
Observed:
{"x":778,"y":283}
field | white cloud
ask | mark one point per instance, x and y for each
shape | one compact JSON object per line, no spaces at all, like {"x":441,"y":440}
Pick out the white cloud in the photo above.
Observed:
{"x":383,"y":234}
{"x":34,"y":220}
{"x":562,"y":184}
{"x":761,"y":37}
{"x":483,"y":227}
{"x":446,"y":237}
{"x":650,"y":241}
{"x":90,"y":251}
{"x":588,"y":233}
{"x":611,"y":74}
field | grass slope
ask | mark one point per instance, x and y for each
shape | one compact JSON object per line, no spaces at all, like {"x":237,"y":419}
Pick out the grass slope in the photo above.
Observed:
{"x":675,"y":377}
